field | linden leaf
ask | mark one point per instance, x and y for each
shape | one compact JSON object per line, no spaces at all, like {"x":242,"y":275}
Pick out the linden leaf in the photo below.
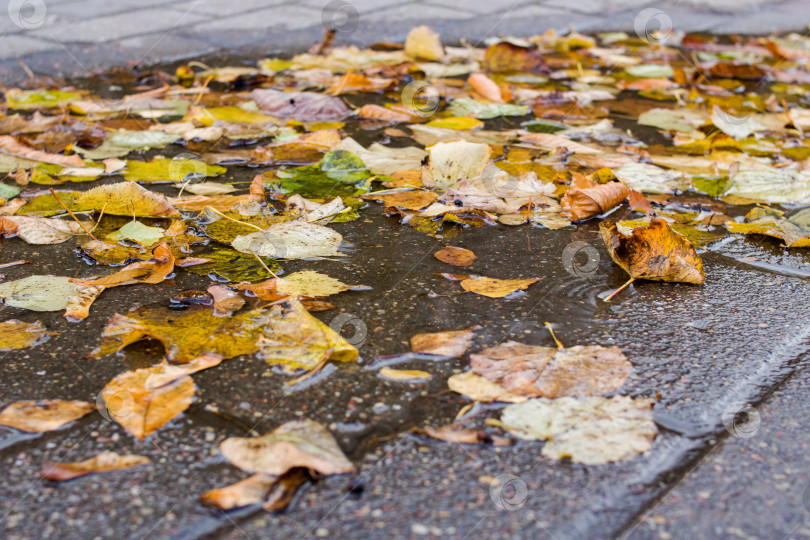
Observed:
{"x":591,"y":430}
{"x":654,"y":252}
{"x":300,"y":443}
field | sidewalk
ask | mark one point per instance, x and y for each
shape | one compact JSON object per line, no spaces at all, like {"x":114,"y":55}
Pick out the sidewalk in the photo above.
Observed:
{"x":69,"y":37}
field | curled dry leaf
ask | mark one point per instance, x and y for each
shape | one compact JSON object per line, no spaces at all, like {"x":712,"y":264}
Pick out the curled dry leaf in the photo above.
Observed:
{"x":16,"y":334}
{"x":291,"y":240}
{"x":586,"y":199}
{"x":486,"y":87}
{"x":456,"y":256}
{"x":43,"y":415}
{"x":276,"y":492}
{"x":450,"y":343}
{"x":413,"y":199}
{"x":654,"y":252}
{"x":454,"y":433}
{"x":496,"y":288}
{"x":301,"y":443}
{"x":105,"y":461}
{"x":404,"y":375}
{"x":591,"y":430}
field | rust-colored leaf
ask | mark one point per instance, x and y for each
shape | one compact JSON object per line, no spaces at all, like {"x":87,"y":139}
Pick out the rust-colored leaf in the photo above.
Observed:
{"x":43,"y":415}
{"x":105,"y":461}
{"x":456,"y":256}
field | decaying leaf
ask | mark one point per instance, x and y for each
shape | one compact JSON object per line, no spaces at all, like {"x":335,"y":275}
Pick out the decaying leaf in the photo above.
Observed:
{"x":16,"y":334}
{"x":154,"y":270}
{"x":291,"y":240}
{"x":496,"y":288}
{"x":478,"y":388}
{"x":591,"y":430}
{"x":455,"y":433}
{"x":308,"y":284}
{"x":301,"y":443}
{"x":226,"y":301}
{"x":284,"y":333}
{"x":794,"y":231}
{"x":103,"y":462}
{"x":452,"y":162}
{"x":450,"y":343}
{"x":654,"y":252}
{"x":304,"y":106}
{"x":38,"y":230}
{"x":38,"y":293}
{"x":455,"y":256}
{"x":43,"y":415}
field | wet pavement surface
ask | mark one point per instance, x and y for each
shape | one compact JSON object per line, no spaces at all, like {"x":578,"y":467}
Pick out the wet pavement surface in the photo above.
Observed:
{"x":700,"y":350}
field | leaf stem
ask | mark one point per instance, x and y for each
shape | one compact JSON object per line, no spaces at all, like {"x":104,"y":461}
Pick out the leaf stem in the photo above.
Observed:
{"x":617,"y":291}
{"x":554,"y":337}
{"x":73,"y":215}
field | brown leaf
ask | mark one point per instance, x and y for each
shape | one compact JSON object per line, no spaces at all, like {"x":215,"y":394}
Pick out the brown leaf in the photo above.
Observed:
{"x":303,"y":106}
{"x":105,"y":461}
{"x":409,"y":200}
{"x":486,"y":87}
{"x":505,"y":56}
{"x":301,"y":443}
{"x":12,"y":146}
{"x":513,"y":366}
{"x":317,"y":305}
{"x":43,"y":415}
{"x":455,"y":256}
{"x":583,"y":371}
{"x":226,"y":301}
{"x":640,"y":203}
{"x":454,"y":433}
{"x":496,"y":288}
{"x":450,"y":343}
{"x":586,"y":199}
{"x":653,"y":252}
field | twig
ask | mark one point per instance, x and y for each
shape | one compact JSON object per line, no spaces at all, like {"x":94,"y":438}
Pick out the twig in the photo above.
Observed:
{"x":261,"y":262}
{"x":73,"y":215}
{"x":617,"y":291}
{"x":308,"y":374}
{"x":202,"y":90}
{"x":13,"y":263}
{"x":217,"y":212}
{"x":554,"y":337}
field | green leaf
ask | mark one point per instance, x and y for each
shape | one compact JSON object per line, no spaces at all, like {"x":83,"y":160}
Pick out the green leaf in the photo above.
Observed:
{"x":138,"y":232}
{"x":8,"y":192}
{"x":46,"y":205}
{"x":479,"y":109}
{"x":38,"y":99}
{"x":339,"y":174}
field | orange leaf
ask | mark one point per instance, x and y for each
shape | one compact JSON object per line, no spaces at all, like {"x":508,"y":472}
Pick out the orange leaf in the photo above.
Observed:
{"x":486,"y":87}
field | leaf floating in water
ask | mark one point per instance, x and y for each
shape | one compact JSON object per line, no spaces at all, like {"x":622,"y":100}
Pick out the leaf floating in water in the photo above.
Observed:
{"x":104,"y":462}
{"x":43,"y":415}
{"x":16,"y":334}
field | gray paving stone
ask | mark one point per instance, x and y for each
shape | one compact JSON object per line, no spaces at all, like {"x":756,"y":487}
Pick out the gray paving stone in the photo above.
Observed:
{"x":419,"y":13}
{"x":596,"y":6}
{"x":15,"y":46}
{"x":481,"y":6}
{"x":225,"y":8}
{"x":119,"y":26}
{"x":360,"y":5}
{"x":290,"y":18}
{"x":91,"y":9}
{"x":161,"y":47}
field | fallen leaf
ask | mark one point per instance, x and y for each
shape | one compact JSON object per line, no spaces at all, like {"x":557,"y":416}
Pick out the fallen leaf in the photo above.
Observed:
{"x":38,"y":293}
{"x":226,"y":301}
{"x":303,"y":106}
{"x":300,"y":443}
{"x":485,"y":86}
{"x":422,"y":42}
{"x":16,"y":334}
{"x":154,"y":270}
{"x":586,"y":199}
{"x":12,"y":146}
{"x":794,"y":231}
{"x":452,"y":162}
{"x":126,"y":199}
{"x":455,"y":256}
{"x":43,"y":415}
{"x":454,"y":433}
{"x":591,"y":430}
{"x":103,"y":462}
{"x":496,"y":288}
{"x":404,"y":375}
{"x":414,"y":199}
{"x":478,"y":388}
{"x":486,"y":110}
{"x":449,"y":343}
{"x":136,"y":231}
{"x":307,"y":284}
{"x":291,"y":240}
{"x":142,"y":411}
{"x":550,"y":141}
{"x":506,"y":56}
{"x":654,"y":252}
{"x":38,"y":230}
{"x":252,"y":490}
